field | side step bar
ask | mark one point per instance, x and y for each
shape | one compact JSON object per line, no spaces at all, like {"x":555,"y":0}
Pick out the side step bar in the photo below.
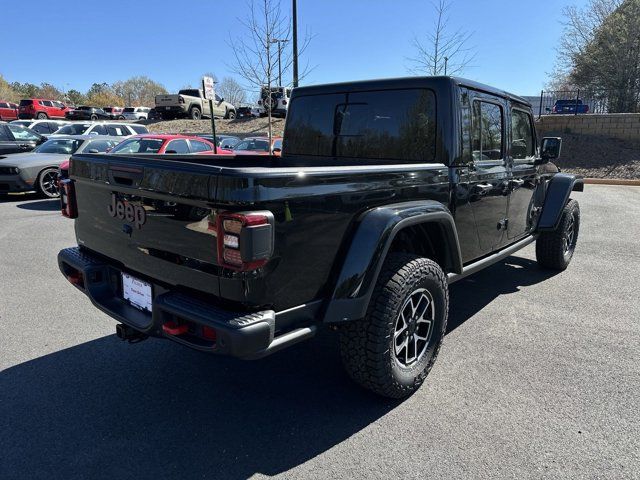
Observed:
{"x":490,"y":260}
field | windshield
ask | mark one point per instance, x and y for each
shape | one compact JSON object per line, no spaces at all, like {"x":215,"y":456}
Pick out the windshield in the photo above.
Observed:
{"x":21,"y":133}
{"x":253,"y":146}
{"x":62,"y":146}
{"x":74,"y":129}
{"x":139,"y":145}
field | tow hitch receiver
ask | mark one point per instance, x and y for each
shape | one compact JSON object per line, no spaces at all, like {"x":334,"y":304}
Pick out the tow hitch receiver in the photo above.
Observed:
{"x":125,"y":332}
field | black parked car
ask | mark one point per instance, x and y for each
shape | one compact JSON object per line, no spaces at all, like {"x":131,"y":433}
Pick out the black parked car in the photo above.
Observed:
{"x":87,"y":113}
{"x":16,"y":138}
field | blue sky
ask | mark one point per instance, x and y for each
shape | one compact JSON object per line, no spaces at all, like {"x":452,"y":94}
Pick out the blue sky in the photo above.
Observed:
{"x":86,"y":42}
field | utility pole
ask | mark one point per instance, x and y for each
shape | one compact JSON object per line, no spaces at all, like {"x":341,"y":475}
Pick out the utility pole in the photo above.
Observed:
{"x":295,"y":43}
{"x":446,"y":60}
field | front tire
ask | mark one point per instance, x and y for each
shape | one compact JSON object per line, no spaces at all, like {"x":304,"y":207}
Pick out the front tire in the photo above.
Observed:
{"x":554,"y":250}
{"x":94,"y":118}
{"x":47,"y":184}
{"x":231,"y":114}
{"x":392,"y":349}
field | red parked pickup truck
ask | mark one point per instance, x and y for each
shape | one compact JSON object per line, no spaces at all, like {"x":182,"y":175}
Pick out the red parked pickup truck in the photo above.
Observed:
{"x":8,"y":111}
{"x":42,"y":108}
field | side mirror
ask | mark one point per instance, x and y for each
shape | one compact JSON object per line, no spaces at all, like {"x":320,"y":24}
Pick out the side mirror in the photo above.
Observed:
{"x":221,"y":99}
{"x":93,"y":150}
{"x":277,"y":150}
{"x":550,"y":149}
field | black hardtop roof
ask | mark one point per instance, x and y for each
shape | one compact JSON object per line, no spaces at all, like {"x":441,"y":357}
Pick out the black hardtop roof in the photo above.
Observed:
{"x":406,"y":82}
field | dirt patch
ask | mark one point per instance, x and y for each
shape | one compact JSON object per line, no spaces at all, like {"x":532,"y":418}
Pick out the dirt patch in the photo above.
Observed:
{"x":241,"y":127}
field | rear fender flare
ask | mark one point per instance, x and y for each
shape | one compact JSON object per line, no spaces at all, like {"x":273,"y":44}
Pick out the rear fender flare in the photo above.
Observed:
{"x":375,"y":231}
{"x":557,"y":195}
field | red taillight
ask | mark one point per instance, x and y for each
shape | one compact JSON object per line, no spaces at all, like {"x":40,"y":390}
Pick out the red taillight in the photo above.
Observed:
{"x":68,"y":205}
{"x":245,"y":240}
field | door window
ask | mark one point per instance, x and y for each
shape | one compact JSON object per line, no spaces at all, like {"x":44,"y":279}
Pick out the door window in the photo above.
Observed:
{"x":521,"y":135}
{"x":41,"y":128}
{"x":486,"y":138}
{"x":46,"y":103}
{"x":3,"y":105}
{"x":98,"y":130}
{"x":117,"y":131}
{"x":178,"y":146}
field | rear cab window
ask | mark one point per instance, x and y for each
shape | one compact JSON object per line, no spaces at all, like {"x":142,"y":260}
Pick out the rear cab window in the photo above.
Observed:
{"x":392,"y":125}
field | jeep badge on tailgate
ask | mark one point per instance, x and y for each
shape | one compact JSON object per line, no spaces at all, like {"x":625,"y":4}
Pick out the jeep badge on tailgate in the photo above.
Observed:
{"x":127,"y":211}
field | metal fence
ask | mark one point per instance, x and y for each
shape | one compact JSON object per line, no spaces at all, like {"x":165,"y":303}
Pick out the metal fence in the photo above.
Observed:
{"x":580,"y":102}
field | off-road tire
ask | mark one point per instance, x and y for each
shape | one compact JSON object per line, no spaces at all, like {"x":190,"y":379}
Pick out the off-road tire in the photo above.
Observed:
{"x":367,"y":345}
{"x":231,"y":114}
{"x":554,"y":250}
{"x":195,"y":113}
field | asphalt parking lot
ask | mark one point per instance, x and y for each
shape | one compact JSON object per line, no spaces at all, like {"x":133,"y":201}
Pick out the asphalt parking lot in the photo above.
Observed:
{"x":539,"y":377}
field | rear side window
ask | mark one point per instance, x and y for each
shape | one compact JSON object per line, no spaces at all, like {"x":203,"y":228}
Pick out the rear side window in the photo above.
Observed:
{"x":139,"y":128}
{"x":197,"y":146}
{"x":486,"y":134}
{"x":4,"y":105}
{"x":521,"y":135}
{"x":24,"y":103}
{"x":395,"y":125}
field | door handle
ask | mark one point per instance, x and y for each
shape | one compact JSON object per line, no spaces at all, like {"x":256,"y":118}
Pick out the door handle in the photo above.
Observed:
{"x":482,"y":188}
{"x":24,"y":145}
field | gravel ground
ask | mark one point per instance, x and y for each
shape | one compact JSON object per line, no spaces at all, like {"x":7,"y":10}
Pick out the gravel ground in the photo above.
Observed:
{"x":539,"y":377}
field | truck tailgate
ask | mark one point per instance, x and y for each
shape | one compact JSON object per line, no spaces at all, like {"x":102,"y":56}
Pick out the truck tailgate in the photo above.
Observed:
{"x":154,"y":221}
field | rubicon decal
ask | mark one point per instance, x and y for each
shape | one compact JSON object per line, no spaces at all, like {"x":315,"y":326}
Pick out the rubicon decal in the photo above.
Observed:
{"x":126,"y":211}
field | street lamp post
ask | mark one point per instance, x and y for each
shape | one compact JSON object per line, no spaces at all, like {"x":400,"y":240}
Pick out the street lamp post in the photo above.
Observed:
{"x":294,"y":14}
{"x":446,"y":60}
{"x":279,"y":42}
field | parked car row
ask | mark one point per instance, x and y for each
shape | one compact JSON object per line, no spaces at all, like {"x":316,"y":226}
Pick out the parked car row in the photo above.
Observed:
{"x":29,"y":160}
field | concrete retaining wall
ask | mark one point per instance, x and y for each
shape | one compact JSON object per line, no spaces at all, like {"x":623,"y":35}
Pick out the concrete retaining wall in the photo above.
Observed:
{"x":617,"y":125}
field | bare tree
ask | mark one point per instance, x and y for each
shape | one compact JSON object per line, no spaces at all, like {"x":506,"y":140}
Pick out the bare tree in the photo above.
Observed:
{"x":442,"y":51}
{"x":263,"y":47}
{"x":580,"y":27}
{"x":232,"y":91}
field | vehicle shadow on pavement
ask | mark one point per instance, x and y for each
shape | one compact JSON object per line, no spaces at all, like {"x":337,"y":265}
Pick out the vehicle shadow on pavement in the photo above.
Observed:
{"x":106,"y":409}
{"x":43,"y":205}
{"x":472,"y":294}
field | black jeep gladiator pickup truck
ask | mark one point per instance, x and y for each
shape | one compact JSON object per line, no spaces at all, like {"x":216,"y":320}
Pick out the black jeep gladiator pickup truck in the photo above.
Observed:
{"x":386,"y":192}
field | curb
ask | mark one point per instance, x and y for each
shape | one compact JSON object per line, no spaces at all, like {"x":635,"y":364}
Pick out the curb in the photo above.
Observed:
{"x":612,"y":181}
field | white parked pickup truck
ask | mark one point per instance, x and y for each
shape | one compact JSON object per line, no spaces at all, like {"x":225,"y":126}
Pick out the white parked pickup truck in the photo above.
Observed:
{"x":191,"y":103}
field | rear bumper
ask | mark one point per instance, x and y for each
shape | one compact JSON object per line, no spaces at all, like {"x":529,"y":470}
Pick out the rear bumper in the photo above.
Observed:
{"x":26,"y":116}
{"x":171,"y":110}
{"x":237,"y":333}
